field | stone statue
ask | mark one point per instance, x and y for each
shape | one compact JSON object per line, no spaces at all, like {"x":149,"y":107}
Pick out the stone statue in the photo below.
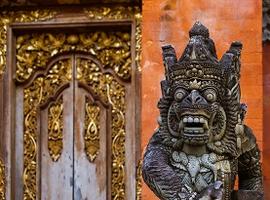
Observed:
{"x":202,"y":143}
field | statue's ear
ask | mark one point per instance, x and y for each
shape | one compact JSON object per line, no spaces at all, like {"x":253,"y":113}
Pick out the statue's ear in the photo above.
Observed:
{"x":231,"y":64}
{"x":165,"y":88}
{"x":169,"y":58}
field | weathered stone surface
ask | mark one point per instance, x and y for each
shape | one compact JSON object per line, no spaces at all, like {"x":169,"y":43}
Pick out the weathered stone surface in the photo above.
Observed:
{"x":247,"y":195}
{"x":202,"y":142}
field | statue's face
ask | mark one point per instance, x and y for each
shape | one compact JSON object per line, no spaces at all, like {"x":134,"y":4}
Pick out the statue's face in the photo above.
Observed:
{"x":196,"y":114}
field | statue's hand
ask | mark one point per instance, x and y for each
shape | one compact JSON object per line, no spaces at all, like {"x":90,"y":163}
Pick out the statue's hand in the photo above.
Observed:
{"x":212,"y":192}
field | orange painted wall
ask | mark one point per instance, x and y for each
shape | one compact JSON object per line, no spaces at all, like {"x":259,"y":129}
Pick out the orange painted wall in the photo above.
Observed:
{"x":168,"y":21}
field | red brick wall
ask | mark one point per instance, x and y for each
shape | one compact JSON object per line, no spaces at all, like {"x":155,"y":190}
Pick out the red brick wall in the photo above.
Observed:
{"x":168,"y":21}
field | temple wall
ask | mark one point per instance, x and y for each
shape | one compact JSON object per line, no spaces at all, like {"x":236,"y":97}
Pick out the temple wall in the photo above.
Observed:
{"x":168,"y":21}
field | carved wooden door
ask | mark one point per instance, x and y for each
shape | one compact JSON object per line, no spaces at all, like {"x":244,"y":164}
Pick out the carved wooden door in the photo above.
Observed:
{"x":71,"y":117}
{"x":75,"y":132}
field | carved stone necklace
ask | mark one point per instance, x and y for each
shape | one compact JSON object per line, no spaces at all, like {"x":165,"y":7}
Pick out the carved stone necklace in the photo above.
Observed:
{"x":197,"y":172}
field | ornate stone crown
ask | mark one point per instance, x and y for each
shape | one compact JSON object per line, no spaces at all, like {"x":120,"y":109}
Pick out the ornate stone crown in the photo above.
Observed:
{"x":199,"y":60}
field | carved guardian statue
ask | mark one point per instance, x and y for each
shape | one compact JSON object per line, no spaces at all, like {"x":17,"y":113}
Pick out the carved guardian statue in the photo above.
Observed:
{"x":202,"y":143}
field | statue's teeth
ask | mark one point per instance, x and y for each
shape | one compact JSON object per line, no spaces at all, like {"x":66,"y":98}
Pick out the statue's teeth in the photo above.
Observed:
{"x":190,"y":120}
{"x":185,"y":120}
{"x":196,"y":120}
{"x":202,"y":120}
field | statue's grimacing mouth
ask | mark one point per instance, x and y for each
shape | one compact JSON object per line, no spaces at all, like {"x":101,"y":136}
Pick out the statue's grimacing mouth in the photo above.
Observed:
{"x":197,"y":126}
{"x":194,"y":124}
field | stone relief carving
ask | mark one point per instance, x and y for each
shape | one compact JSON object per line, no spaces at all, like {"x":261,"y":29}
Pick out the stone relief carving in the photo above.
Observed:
{"x":202,"y":143}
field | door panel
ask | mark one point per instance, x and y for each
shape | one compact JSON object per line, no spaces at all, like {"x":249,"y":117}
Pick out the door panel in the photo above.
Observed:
{"x":90,"y":148}
{"x":74,"y":141}
{"x":57,"y":158}
{"x":36,"y":95}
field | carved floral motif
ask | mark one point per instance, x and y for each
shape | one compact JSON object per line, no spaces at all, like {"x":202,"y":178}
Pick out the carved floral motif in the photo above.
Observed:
{"x":139,"y":180}
{"x":55,"y":129}
{"x":111,"y":13}
{"x":35,"y":50}
{"x":2,"y":181}
{"x":8,"y":17}
{"x":138,"y":38}
{"x":92,"y":130}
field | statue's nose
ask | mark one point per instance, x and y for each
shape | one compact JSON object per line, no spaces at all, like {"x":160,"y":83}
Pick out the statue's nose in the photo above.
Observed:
{"x":194,"y":98}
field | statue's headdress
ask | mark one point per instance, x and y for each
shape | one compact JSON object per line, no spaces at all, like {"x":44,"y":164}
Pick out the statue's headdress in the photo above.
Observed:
{"x":199,"y":63}
{"x":199,"y":60}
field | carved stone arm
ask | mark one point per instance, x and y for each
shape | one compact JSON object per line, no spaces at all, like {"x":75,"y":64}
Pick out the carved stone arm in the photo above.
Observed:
{"x":160,"y":176}
{"x":250,"y":173}
{"x":249,"y":167}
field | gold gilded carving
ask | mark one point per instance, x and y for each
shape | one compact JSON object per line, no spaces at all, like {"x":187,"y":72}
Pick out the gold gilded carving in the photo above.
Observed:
{"x":2,"y":181}
{"x":92,"y":130}
{"x":55,"y":129}
{"x":120,"y":13}
{"x":139,"y":181}
{"x":8,"y":17}
{"x":111,"y":48}
{"x":138,"y":37}
{"x":112,"y":13}
{"x":107,"y":88}
{"x":37,"y":93}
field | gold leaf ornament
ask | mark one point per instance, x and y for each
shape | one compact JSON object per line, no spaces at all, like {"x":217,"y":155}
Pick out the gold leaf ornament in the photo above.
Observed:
{"x":55,"y":129}
{"x":8,"y":17}
{"x":92,"y":130}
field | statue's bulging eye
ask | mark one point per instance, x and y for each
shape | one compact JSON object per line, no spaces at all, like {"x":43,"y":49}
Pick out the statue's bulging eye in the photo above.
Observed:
{"x":179,"y":94}
{"x":210,"y":95}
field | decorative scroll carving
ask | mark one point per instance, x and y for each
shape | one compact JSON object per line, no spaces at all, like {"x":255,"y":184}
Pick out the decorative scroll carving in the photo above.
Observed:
{"x":55,"y":129}
{"x":118,"y":13}
{"x":138,"y":38}
{"x":2,"y":181}
{"x":111,"y":13}
{"x":8,"y":17}
{"x":37,"y":93}
{"x":111,"y":48}
{"x":139,"y":181}
{"x":92,"y":130}
{"x":107,"y":88}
